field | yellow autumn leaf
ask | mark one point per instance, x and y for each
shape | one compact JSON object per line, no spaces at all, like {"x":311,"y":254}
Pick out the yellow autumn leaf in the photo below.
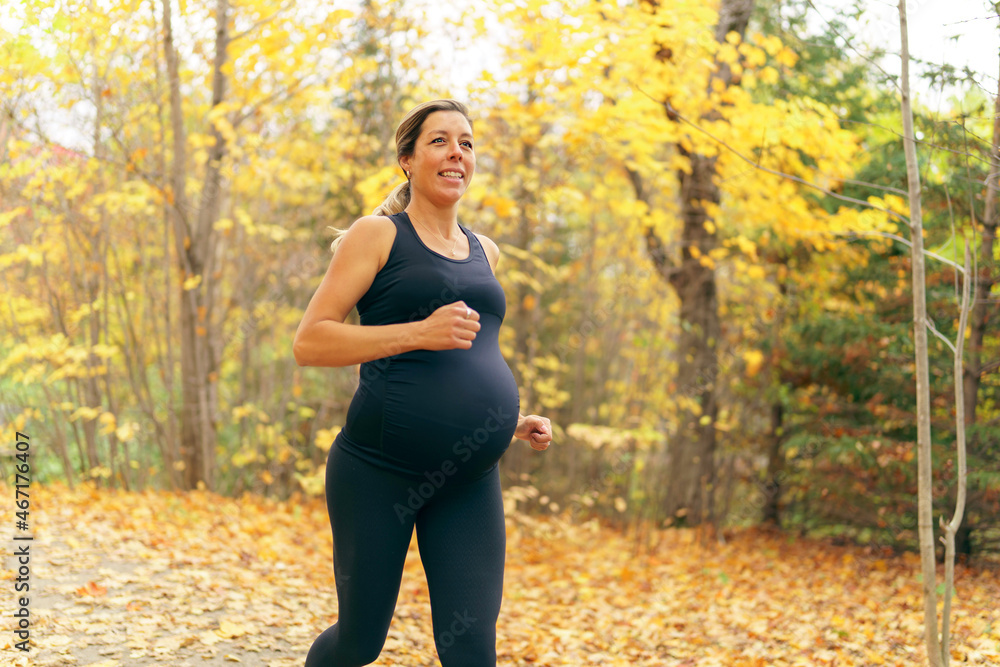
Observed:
{"x":753,"y":359}
{"x":230,"y":630}
{"x":84,"y":413}
{"x":787,"y":57}
{"x":244,"y":219}
{"x":209,"y":637}
{"x":771,"y":44}
{"x":7,"y":216}
{"x":108,"y":422}
{"x":243,"y":457}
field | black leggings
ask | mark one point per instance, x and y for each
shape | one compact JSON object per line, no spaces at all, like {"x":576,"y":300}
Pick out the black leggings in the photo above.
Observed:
{"x":462,"y":542}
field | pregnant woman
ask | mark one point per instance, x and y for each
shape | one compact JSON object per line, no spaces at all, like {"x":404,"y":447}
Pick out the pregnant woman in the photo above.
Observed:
{"x":435,"y":409}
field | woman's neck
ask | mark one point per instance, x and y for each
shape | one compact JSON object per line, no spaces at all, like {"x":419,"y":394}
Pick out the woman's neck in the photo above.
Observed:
{"x":443,"y":221}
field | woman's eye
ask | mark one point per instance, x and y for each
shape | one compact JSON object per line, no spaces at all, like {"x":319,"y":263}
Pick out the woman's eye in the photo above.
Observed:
{"x":468,"y":144}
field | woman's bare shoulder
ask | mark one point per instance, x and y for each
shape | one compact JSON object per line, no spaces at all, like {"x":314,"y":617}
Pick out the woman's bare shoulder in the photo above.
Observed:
{"x":374,"y":224}
{"x":492,"y":250}
{"x":376,"y":234}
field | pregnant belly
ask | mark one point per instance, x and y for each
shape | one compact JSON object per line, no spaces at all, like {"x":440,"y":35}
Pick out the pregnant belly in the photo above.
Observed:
{"x":451,"y":410}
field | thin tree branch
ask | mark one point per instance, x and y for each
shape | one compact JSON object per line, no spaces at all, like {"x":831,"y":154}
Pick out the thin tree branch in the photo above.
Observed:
{"x":847,"y":41}
{"x":989,"y":368}
{"x":884,"y":188}
{"x":675,"y":114}
{"x":941,"y":336}
{"x":908,"y":243}
{"x":916,"y":141}
{"x":262,"y":22}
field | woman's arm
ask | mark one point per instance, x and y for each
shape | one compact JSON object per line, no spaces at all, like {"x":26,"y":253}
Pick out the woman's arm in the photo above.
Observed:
{"x":323,"y":339}
{"x":332,"y":343}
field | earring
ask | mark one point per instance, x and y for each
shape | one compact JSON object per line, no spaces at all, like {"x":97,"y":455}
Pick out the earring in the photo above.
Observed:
{"x":407,"y":174}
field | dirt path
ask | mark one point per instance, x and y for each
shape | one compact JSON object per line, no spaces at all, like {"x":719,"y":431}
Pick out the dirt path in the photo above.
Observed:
{"x":178,"y":580}
{"x":91,"y":606}
{"x":185,"y":579}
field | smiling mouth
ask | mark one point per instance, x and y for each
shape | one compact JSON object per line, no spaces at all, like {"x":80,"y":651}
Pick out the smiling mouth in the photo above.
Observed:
{"x":451,"y":174}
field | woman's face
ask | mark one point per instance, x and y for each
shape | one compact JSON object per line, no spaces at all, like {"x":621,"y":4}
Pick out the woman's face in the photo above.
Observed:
{"x":443,"y":160}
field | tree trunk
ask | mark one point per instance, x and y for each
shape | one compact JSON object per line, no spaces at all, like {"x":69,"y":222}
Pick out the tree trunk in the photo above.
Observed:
{"x":525,"y":336}
{"x":94,"y":280}
{"x":987,"y":273}
{"x":100,"y":319}
{"x":775,"y":457}
{"x":85,"y":388}
{"x":691,"y":472}
{"x":925,"y":523}
{"x":62,"y":450}
{"x":165,"y":357}
{"x":951,"y":528}
{"x":196,"y":248}
{"x":523,"y":349}
{"x":775,"y":466}
{"x":692,"y":454}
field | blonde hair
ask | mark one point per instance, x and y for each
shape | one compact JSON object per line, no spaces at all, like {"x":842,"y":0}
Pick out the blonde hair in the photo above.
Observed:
{"x":406,"y":140}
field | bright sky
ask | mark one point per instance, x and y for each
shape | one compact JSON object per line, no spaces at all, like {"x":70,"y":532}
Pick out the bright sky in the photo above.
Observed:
{"x":932,"y":24}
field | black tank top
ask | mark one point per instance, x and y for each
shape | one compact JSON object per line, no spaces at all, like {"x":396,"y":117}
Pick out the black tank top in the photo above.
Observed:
{"x":433,"y":413}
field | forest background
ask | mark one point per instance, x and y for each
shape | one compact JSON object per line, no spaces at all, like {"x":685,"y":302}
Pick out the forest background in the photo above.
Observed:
{"x":707,"y":280}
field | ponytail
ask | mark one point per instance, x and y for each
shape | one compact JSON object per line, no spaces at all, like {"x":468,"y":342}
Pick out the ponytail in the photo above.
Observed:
{"x":394,"y":203}
{"x":338,"y":235}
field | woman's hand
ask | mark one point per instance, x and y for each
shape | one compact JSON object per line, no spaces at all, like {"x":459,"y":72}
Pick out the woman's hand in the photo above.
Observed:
{"x":537,"y":431}
{"x":449,"y":327}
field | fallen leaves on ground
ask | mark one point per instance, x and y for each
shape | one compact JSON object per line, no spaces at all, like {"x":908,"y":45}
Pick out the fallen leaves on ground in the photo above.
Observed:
{"x":132,"y":579}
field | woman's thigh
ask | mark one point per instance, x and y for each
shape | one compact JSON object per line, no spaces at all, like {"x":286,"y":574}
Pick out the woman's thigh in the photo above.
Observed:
{"x":370,"y":540}
{"x":462,"y":542}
